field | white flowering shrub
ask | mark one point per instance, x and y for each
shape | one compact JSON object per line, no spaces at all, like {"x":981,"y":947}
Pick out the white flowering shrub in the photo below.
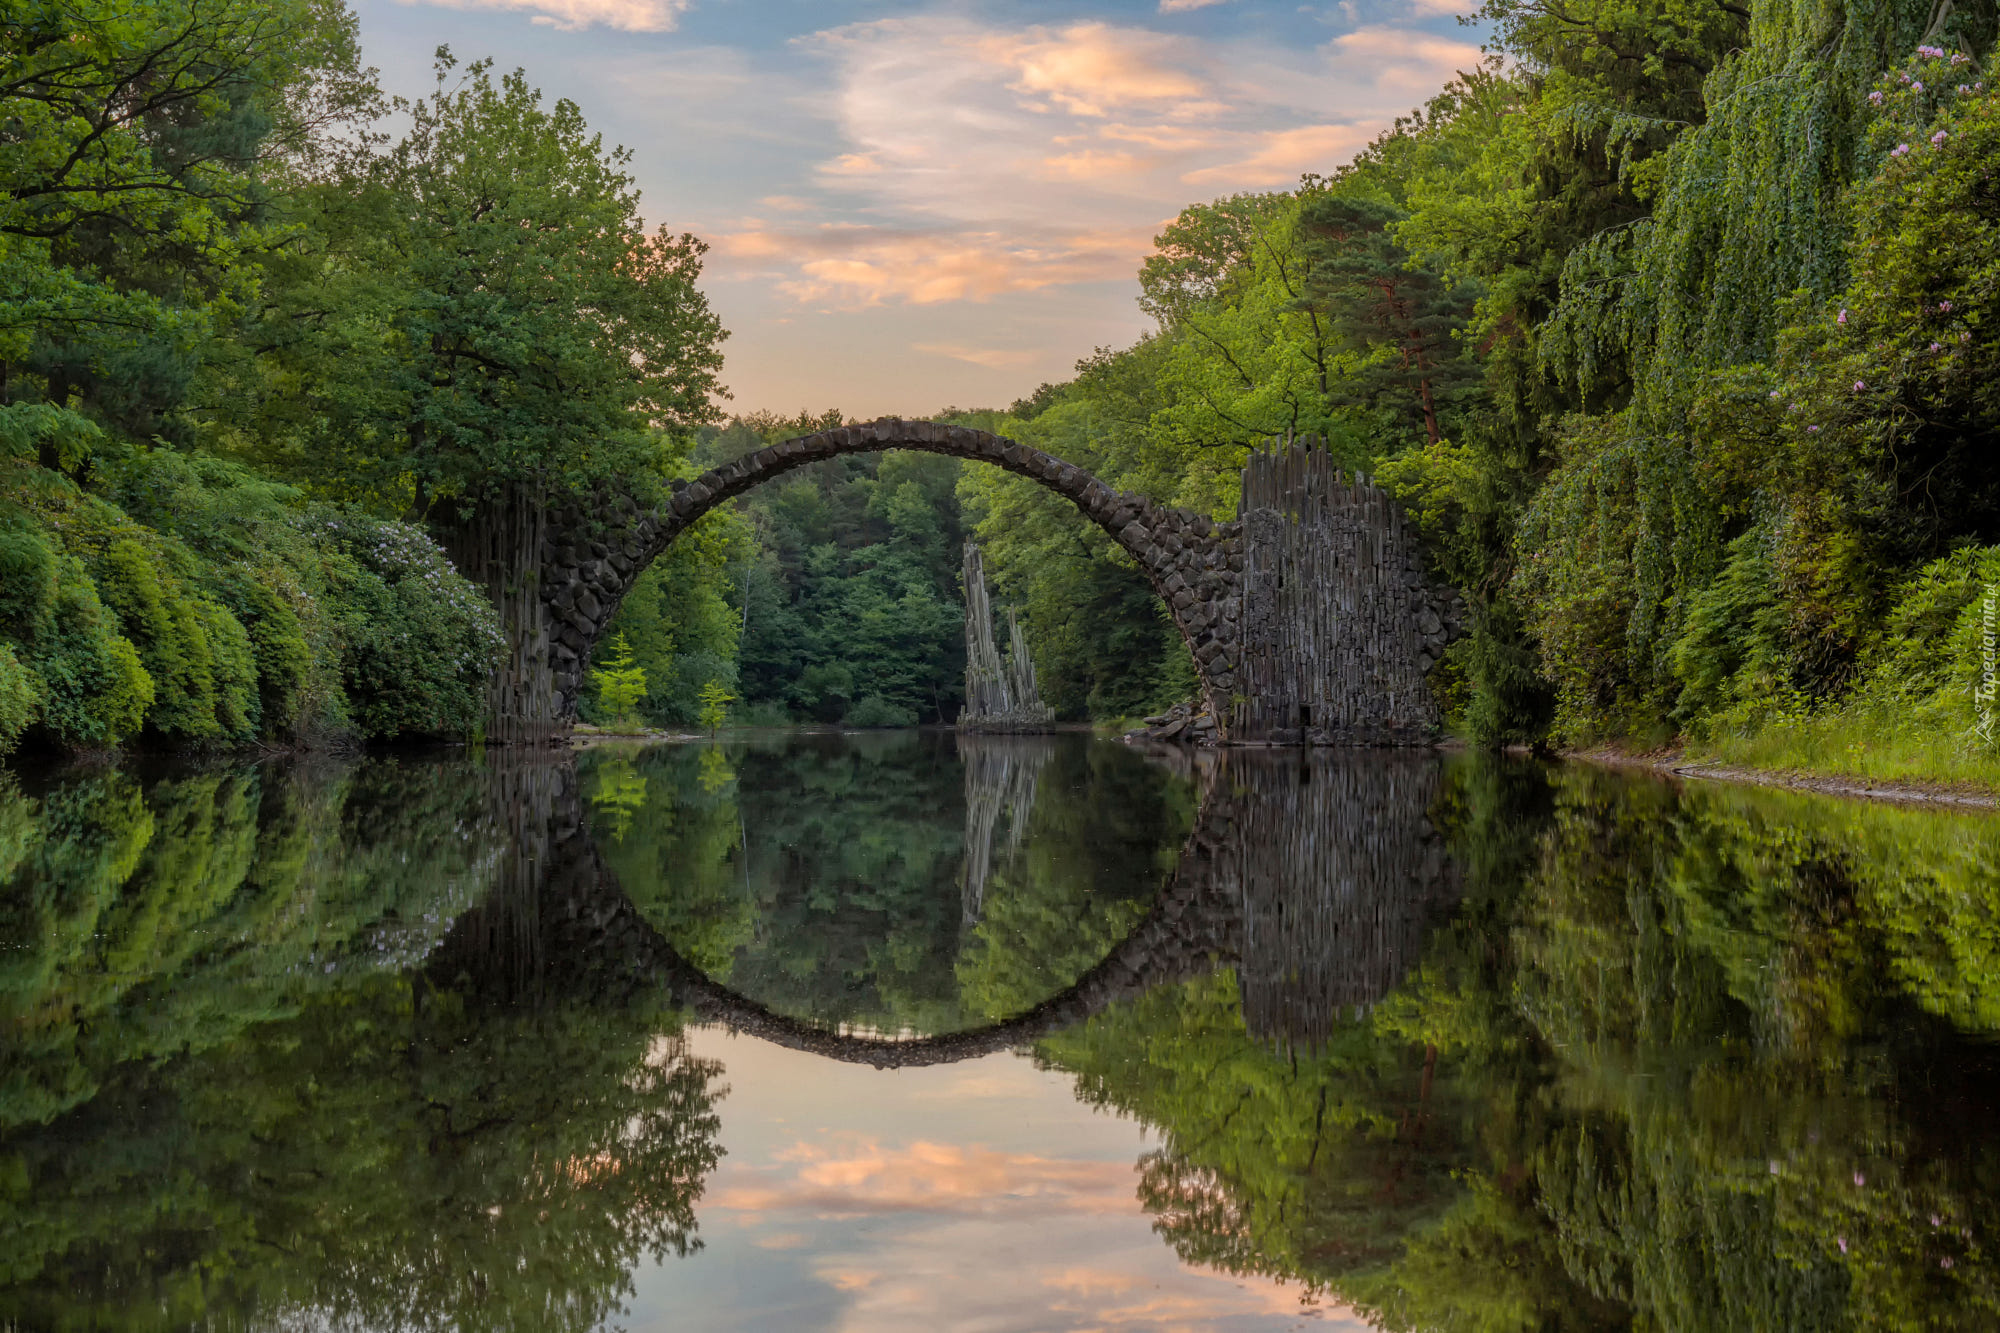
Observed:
{"x":419,"y":639}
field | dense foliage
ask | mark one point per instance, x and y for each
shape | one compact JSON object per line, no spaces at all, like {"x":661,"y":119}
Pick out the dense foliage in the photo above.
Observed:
{"x":829,"y":595}
{"x":261,"y":368}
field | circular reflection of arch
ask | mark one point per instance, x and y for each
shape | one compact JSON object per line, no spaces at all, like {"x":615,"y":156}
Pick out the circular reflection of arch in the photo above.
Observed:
{"x":1180,"y":553}
{"x":1315,"y":874}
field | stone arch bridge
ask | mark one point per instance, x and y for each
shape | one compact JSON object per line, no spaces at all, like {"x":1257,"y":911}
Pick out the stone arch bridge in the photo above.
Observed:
{"x":1308,"y":616}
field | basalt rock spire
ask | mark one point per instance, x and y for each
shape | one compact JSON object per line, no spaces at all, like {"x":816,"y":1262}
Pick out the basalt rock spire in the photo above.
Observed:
{"x":1000,"y":692}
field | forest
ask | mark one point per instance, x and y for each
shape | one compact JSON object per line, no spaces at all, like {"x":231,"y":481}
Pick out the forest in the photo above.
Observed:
{"x":1673,"y":326}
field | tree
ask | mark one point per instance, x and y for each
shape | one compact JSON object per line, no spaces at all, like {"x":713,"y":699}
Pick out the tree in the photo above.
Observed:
{"x":620,"y":684}
{"x":1401,"y":318}
{"x":136,"y":183}
{"x":715,"y":701}
{"x":482,"y":328}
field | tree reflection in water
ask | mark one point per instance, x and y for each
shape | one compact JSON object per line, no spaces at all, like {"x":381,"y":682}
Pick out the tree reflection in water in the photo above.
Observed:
{"x":245,"y":1085}
{"x":1682,"y":1058}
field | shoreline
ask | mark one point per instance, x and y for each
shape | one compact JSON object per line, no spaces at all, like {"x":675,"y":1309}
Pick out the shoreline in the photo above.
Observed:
{"x":1675,"y":763}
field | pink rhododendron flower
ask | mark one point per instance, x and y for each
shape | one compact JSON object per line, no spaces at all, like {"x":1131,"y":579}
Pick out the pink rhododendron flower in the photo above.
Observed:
{"x":1840,"y":318}
{"x":1899,"y":150}
{"x":1939,"y":137}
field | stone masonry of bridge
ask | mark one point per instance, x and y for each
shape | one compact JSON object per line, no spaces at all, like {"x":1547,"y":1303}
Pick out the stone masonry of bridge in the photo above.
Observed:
{"x":1369,"y":637}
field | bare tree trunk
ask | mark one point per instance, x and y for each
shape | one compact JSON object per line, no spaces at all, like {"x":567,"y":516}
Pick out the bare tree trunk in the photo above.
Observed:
{"x":500,"y":548}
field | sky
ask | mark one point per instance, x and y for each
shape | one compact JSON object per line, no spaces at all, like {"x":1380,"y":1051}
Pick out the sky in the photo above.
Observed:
{"x":941,"y":203}
{"x":979,"y":1196}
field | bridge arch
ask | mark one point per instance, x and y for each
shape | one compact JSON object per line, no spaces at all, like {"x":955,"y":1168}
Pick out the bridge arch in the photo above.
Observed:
{"x":1194,"y":563}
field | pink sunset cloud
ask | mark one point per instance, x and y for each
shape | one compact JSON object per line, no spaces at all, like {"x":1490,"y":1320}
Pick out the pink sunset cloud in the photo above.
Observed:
{"x":625,"y":15}
{"x":865,"y":1177}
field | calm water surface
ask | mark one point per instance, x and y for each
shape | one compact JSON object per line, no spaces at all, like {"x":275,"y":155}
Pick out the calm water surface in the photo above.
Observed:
{"x":907,"y":1031}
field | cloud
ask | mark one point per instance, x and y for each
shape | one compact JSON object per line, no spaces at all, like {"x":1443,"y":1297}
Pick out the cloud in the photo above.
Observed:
{"x":864,"y":1178}
{"x":783,"y":1240}
{"x":851,"y":164}
{"x":1281,"y":156}
{"x":999,"y":126}
{"x":973,"y":160}
{"x":1076,"y":1275}
{"x":626,"y":15}
{"x":1401,"y":63}
{"x":1182,"y":6}
{"x":854,"y":267}
{"x":993,"y":358}
{"x":1088,"y":67}
{"x":1092,"y":165}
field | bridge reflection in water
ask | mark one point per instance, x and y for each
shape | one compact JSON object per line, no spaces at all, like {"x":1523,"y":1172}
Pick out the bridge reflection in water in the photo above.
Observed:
{"x":1312,"y":873}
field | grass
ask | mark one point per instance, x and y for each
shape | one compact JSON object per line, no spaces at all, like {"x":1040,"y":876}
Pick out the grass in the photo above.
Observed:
{"x":1880,"y":742}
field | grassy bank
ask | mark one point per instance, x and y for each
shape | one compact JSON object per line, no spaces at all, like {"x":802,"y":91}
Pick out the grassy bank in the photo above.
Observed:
{"x":1862,"y":744}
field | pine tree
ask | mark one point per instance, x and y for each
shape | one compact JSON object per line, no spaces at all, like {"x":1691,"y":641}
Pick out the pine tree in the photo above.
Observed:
{"x":1398,"y":316}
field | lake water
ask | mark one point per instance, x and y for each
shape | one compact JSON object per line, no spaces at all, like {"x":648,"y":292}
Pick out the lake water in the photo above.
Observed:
{"x":900,"y":1031}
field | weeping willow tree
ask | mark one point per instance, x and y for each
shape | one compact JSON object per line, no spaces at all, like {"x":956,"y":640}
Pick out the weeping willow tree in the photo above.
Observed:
{"x":1750,"y":238}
